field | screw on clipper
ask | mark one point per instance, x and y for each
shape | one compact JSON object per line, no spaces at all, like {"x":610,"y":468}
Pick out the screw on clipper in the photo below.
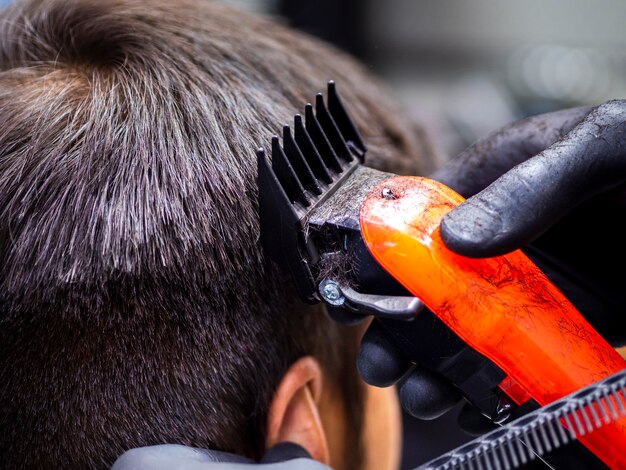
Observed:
{"x":388,"y":193}
{"x":331,"y":292}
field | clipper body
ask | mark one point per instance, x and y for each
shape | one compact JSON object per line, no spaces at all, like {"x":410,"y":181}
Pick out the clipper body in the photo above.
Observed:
{"x":503,"y":307}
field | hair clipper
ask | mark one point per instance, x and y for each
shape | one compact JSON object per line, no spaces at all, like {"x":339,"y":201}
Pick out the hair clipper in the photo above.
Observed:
{"x":496,"y":328}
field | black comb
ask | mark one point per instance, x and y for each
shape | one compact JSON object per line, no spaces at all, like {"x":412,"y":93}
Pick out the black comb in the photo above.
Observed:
{"x":324,"y":148}
{"x":543,"y":431}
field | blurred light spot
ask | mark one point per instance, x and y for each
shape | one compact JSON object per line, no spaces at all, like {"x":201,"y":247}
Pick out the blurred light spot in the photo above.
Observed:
{"x":560,"y":74}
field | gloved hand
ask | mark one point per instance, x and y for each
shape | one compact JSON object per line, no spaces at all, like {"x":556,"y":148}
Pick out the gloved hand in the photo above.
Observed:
{"x":563,"y":207}
{"x":283,"y":456}
{"x":552,"y":185}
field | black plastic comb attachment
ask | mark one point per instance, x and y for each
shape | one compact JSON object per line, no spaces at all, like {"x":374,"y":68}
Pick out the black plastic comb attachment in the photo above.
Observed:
{"x":344,"y":122}
{"x":320,"y":141}
{"x":286,"y":175}
{"x":309,"y":166}
{"x":302,"y":169}
{"x":308,"y":149}
{"x":329,"y":127}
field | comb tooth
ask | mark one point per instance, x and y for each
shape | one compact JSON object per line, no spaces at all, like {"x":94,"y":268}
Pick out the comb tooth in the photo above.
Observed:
{"x":298,"y":163}
{"x":579,"y":427}
{"x":544,"y":437}
{"x":593,"y":412}
{"x":584,"y":423}
{"x":616,"y":395}
{"x":344,"y":123}
{"x":320,"y":140}
{"x":330,"y":129}
{"x":268,"y":178}
{"x":526,"y":439}
{"x":603,"y":407}
{"x":564,"y":437}
{"x":313,"y":158}
{"x":572,"y":426}
{"x":557,"y":440}
{"x":523,"y":451}
{"x":272,"y":195}
{"x":487,"y":460}
{"x":505,"y":459}
{"x":285,"y":174}
{"x":511,"y":449}
{"x":536,"y":439}
{"x":610,"y":405}
{"x":470,"y":463}
{"x":588,"y":424}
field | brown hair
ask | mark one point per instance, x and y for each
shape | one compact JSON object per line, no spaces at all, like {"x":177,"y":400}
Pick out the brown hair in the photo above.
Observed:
{"x":135,"y":304}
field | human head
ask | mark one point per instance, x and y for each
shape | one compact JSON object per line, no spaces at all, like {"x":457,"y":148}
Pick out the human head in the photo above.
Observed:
{"x":136,"y":305}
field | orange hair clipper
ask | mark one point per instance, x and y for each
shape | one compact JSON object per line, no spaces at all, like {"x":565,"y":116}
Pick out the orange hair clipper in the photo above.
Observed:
{"x":367,"y":242}
{"x":503,"y":307}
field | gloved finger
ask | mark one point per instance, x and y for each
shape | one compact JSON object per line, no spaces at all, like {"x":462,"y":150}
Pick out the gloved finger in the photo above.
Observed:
{"x":473,"y":422}
{"x":524,"y":202}
{"x":379,"y":361}
{"x":426,"y":396}
{"x":482,"y":163}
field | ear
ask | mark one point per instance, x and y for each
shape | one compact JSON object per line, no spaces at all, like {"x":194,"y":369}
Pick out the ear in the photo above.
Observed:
{"x":294,"y":414}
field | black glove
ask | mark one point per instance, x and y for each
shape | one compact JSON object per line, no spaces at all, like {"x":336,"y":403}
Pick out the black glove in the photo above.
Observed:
{"x":173,"y":456}
{"x":566,"y":197}
{"x":422,"y":393}
{"x":563,"y":207}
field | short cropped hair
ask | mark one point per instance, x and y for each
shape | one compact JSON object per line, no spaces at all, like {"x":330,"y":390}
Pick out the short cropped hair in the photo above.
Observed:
{"x":136,"y":306}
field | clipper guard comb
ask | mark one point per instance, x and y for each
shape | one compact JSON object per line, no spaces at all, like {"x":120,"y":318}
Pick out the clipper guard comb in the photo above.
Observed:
{"x":324,"y":149}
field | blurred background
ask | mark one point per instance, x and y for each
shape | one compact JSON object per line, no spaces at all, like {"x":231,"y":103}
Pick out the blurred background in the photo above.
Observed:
{"x":464,"y":69}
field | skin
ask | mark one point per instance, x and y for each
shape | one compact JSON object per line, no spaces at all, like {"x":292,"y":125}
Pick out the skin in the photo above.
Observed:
{"x":382,"y":433}
{"x":305,"y":410}
{"x":383,"y":429}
